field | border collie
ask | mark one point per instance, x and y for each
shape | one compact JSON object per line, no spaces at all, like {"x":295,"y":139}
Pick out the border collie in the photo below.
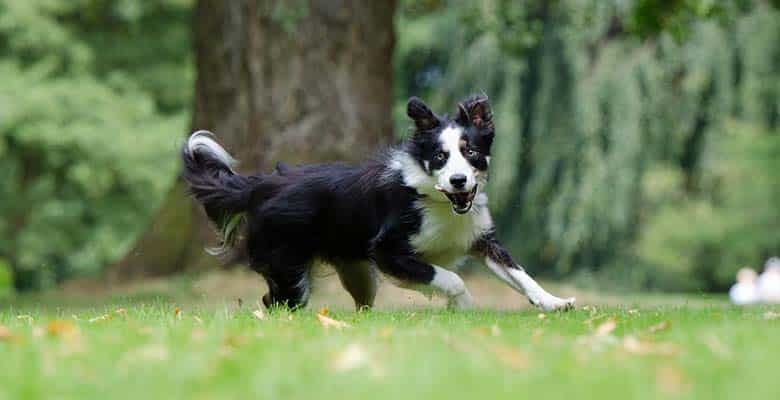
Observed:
{"x":408,"y":213}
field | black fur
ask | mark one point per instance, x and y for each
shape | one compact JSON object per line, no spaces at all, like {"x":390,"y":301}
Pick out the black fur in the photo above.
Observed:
{"x":335,"y":212}
{"x":488,"y":246}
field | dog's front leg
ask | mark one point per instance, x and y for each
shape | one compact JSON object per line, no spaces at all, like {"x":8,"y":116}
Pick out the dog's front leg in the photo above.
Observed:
{"x":396,"y":258}
{"x":500,"y":262}
{"x":433,"y":279}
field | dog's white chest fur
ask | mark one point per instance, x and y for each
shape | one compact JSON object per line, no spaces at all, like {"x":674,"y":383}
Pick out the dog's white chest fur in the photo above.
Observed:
{"x":444,"y":236}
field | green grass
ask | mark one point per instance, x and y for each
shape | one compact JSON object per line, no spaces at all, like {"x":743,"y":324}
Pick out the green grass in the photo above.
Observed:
{"x":149,"y":352}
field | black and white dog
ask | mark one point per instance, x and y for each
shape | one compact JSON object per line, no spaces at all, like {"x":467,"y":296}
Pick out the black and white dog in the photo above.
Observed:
{"x":408,"y":213}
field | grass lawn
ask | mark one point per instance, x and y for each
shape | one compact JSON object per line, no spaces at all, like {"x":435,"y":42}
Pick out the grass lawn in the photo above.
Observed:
{"x":151,"y":349}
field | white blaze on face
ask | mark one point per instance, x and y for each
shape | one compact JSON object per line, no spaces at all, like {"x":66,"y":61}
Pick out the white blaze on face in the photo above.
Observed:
{"x":456,"y":164}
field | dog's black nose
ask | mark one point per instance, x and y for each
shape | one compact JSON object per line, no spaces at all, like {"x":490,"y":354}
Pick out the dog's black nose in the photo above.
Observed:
{"x":458,"y":181}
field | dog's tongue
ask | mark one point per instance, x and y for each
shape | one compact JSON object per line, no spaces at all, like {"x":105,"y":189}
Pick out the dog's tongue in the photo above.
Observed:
{"x":461,"y":199}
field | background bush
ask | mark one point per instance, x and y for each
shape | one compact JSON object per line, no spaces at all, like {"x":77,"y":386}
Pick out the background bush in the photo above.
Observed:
{"x":93,"y":101}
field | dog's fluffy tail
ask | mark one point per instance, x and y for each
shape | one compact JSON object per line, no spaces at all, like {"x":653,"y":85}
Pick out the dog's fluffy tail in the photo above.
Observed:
{"x":225,"y":195}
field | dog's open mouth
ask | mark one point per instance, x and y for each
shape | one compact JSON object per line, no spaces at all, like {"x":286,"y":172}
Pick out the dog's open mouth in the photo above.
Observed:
{"x":461,"y":201}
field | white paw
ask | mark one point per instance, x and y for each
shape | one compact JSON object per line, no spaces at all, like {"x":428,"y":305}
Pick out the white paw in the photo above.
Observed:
{"x":552,"y":303}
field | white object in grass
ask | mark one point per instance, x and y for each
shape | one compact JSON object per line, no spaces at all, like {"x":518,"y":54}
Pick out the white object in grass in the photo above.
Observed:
{"x":745,"y":291}
{"x":769,"y":281}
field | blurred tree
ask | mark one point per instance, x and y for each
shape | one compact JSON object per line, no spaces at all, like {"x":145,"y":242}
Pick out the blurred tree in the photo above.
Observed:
{"x":299,"y":81}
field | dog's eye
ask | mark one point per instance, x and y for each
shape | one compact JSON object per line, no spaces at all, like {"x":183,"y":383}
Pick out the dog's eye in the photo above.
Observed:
{"x":440,"y":156}
{"x":471,"y":153}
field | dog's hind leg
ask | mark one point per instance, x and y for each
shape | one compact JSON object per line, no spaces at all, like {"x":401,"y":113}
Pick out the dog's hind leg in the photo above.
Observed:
{"x":361,"y":280}
{"x":289,"y":288}
{"x":287,"y":276}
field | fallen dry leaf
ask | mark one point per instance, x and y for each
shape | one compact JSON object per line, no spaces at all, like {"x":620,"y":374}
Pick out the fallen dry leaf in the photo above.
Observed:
{"x":671,"y":381}
{"x":323,"y":311}
{"x":636,"y":346}
{"x":495,"y":330}
{"x":234,"y":341}
{"x":482,"y":331}
{"x":37,"y":332}
{"x":459,"y":345}
{"x":632,"y":345}
{"x":177,"y":313}
{"x":717,"y":347}
{"x":601,"y":338}
{"x":5,"y":334}
{"x":593,"y":319}
{"x":510,"y":356}
{"x":198,"y":335}
{"x":352,"y":357}
{"x":386,"y":332}
{"x":592,"y":310}
{"x":151,"y":352}
{"x":259,"y":314}
{"x":329,"y":322}
{"x":606,"y":327}
{"x":661,"y":326}
{"x":771,"y":315}
{"x":146,"y":330}
{"x":101,"y":318}
{"x":63,"y":329}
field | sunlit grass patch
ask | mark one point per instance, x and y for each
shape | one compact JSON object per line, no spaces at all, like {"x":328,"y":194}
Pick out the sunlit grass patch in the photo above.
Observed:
{"x":164,"y":350}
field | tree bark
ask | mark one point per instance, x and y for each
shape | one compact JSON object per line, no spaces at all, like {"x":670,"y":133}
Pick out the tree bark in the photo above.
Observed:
{"x":299,"y":81}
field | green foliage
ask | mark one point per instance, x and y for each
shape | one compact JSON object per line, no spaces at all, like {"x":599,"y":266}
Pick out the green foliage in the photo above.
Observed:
{"x":6,"y":279}
{"x":651,"y":17}
{"x":92,"y":106}
{"x":593,"y":101}
{"x":707,"y":237}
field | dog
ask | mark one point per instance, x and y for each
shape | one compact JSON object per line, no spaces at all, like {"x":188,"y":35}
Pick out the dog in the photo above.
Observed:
{"x":407,"y":213}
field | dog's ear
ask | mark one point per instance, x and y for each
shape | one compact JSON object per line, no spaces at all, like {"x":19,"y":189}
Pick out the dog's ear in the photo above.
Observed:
{"x":475,"y":111}
{"x":424,"y":119}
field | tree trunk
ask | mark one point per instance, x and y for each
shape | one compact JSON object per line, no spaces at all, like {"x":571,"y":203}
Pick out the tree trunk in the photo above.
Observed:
{"x":299,"y":81}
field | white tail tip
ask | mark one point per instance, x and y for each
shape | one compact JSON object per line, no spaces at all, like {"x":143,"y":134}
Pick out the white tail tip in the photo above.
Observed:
{"x":203,"y":142}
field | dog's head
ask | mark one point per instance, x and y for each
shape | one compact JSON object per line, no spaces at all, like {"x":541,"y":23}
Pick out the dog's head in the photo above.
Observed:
{"x":454,"y":153}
